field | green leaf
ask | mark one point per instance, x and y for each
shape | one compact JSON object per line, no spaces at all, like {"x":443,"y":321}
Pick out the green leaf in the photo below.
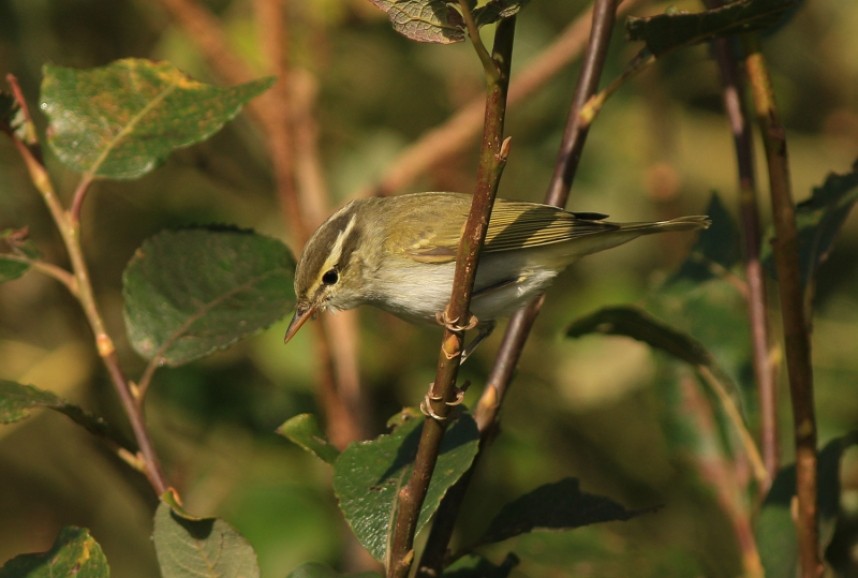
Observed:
{"x":17,"y":401}
{"x":200,"y":547}
{"x":716,"y":246}
{"x":316,"y":570}
{"x":775,"y":529}
{"x":75,"y":554}
{"x":368,"y":475}
{"x":14,"y":244}
{"x":439,"y":21}
{"x":669,"y":31}
{"x":819,"y":220}
{"x":424,"y":20}
{"x":496,"y":10}
{"x":558,"y":506}
{"x":122,"y":120}
{"x":193,"y":291}
{"x":638,"y":324}
{"x":304,"y":430}
{"x":475,"y":566}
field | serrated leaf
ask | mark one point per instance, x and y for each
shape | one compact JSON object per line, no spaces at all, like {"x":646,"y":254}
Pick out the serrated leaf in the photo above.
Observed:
{"x":774,"y":527}
{"x":304,"y":430}
{"x":368,"y":475}
{"x":424,"y":20}
{"x":200,"y":547}
{"x":557,"y":506}
{"x":819,"y":220}
{"x":191,"y":292}
{"x":18,"y":400}
{"x":75,"y":554}
{"x":718,"y":245}
{"x":669,"y":31}
{"x":316,"y":570}
{"x":122,"y":120}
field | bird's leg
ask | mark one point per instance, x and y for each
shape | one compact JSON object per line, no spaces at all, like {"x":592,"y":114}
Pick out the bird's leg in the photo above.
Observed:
{"x":426,"y":405}
{"x":455,"y":327}
{"x":483,"y":331}
{"x":453,"y":324}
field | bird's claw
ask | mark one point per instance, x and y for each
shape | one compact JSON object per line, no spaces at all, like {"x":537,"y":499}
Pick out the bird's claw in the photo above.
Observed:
{"x":428,"y":399}
{"x":453,"y":324}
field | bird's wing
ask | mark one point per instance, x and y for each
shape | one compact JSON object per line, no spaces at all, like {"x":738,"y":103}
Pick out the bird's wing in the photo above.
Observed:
{"x":514,"y":225}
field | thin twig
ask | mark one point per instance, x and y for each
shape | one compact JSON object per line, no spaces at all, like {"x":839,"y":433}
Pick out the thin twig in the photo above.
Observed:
{"x":70,"y":232}
{"x":48,"y":269}
{"x":442,"y":392}
{"x":749,"y":215}
{"x":794,"y":312}
{"x":734,"y":414}
{"x":518,"y":330}
{"x":457,"y":132}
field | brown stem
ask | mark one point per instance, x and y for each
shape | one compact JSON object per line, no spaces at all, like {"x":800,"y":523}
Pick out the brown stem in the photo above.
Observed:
{"x":81,"y":288}
{"x":455,"y":134}
{"x":794,"y":312}
{"x":493,"y":153}
{"x":749,"y":215}
{"x":518,"y":330}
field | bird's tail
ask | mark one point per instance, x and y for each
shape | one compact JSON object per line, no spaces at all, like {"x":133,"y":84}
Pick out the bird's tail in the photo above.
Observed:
{"x":608,"y":238}
{"x":688,"y":223}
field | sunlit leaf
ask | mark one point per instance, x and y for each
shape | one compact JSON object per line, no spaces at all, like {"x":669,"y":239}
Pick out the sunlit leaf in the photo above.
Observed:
{"x":122,"y":120}
{"x":439,"y":21}
{"x":368,"y":475}
{"x":558,"y":506}
{"x":316,"y":570}
{"x":193,"y":291}
{"x":819,"y":220}
{"x":424,"y":20}
{"x":75,"y":554}
{"x":200,"y":547}
{"x":17,"y":401}
{"x":775,"y":529}
{"x":304,"y":430}
{"x":668,"y":31}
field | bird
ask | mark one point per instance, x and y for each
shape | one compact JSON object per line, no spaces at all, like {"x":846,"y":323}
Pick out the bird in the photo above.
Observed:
{"x":398,"y":253}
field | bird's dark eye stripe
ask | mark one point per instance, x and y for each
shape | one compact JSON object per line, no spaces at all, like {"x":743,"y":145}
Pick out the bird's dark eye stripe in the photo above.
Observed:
{"x":330,"y":277}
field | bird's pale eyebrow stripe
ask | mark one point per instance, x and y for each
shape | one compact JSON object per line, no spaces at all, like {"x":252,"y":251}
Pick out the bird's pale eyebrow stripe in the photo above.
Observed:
{"x":337,"y":249}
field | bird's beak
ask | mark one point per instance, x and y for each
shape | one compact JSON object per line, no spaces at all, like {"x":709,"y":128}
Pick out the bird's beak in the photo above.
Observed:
{"x":302,"y":314}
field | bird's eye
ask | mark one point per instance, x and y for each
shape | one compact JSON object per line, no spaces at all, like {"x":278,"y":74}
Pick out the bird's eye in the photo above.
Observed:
{"x":330,"y":277}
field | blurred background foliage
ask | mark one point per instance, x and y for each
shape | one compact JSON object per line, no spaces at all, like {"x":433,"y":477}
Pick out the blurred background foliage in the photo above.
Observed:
{"x":606,"y":410}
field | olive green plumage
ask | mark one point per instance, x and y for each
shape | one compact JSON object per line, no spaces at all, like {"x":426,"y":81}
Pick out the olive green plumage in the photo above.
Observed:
{"x":399,"y":253}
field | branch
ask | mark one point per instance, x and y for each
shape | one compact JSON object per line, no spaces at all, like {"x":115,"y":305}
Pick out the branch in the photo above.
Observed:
{"x":442,"y":392}
{"x":454,"y":135}
{"x":81,"y":288}
{"x":749,"y":215}
{"x":519,"y":327}
{"x":794,"y":310}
